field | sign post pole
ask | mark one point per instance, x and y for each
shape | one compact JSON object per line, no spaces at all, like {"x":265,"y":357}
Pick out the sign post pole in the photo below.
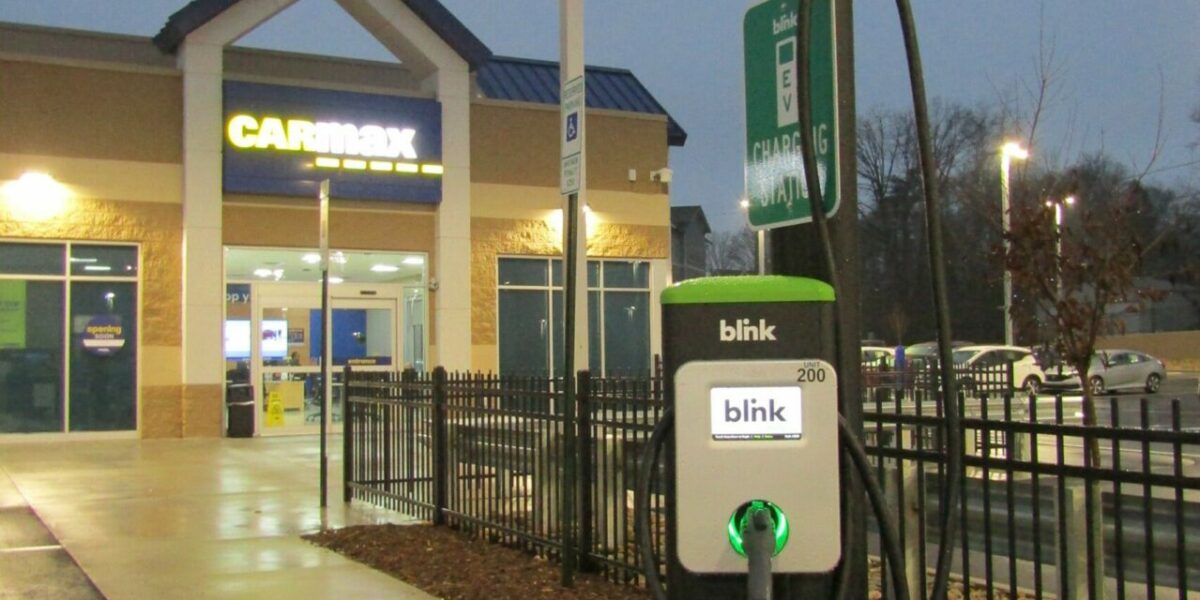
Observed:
{"x":326,"y":329}
{"x":573,"y":159}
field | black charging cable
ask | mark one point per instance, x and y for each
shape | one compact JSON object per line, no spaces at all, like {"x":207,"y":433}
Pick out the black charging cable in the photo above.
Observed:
{"x":941,"y":302}
{"x":850,"y":441}
{"x":641,"y":503}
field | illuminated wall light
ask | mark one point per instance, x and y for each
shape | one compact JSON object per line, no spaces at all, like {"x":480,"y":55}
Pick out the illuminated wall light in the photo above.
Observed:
{"x":354,"y":164}
{"x":36,"y":197}
{"x":590,"y":222}
{"x":432,"y":169}
{"x":407,"y":168}
{"x":381,"y":165}
{"x":328,"y":163}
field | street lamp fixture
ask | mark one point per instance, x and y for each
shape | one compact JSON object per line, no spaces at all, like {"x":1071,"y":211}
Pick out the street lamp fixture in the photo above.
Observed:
{"x":759,"y":239}
{"x":1008,"y":152}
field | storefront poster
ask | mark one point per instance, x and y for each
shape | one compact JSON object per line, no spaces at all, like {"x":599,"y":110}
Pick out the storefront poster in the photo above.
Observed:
{"x":104,"y":335}
{"x":12,"y":315}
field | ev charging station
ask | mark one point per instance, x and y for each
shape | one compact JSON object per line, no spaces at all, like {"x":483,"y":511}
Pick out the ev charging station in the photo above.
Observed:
{"x":753,"y":472}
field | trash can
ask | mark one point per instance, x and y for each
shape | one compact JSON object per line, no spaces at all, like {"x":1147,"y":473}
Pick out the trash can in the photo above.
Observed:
{"x":239,"y":401}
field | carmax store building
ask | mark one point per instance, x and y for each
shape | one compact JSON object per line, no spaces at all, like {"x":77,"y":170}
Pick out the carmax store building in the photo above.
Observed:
{"x":159,"y":222}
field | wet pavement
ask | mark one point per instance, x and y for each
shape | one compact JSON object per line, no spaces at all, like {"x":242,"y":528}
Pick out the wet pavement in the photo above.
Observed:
{"x":163,"y":519}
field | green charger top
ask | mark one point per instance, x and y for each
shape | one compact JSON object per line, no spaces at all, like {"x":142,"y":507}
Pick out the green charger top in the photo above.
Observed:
{"x":741,"y":289}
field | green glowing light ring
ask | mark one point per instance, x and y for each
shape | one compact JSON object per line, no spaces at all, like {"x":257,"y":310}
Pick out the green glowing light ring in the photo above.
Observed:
{"x":734,"y":528}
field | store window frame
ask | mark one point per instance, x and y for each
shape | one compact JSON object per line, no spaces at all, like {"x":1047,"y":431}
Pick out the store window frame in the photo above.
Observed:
{"x":595,"y":273}
{"x":67,"y":277}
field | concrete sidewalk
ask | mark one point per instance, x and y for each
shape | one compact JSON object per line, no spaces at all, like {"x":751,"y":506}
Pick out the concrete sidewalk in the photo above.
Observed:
{"x":214,"y":518}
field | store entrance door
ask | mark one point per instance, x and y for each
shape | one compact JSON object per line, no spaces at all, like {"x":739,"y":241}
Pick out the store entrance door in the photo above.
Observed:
{"x":364,"y":335}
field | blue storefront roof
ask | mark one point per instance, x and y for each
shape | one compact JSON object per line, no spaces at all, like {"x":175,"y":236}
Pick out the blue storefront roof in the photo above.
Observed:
{"x":527,"y":80}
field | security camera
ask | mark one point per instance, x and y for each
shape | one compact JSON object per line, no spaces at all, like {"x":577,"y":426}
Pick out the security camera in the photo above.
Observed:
{"x":663,"y":175}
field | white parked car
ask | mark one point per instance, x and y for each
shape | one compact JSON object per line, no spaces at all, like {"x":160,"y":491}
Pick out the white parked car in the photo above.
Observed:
{"x":1114,"y":370}
{"x":878,"y":356}
{"x":1027,"y":375}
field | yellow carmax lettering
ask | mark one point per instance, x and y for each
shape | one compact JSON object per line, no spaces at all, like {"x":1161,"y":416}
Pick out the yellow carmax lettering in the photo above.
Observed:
{"x":271,"y":134}
{"x":241,"y":128}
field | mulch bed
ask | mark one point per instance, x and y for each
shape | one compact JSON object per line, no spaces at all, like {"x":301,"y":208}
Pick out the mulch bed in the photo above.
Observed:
{"x":455,"y":566}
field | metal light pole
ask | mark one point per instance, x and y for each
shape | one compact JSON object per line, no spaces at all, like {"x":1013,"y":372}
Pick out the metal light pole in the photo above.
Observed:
{"x":1008,"y":152}
{"x":1058,"y":222}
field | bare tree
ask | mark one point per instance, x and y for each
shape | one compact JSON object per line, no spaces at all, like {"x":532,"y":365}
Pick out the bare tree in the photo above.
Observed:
{"x":734,"y":251}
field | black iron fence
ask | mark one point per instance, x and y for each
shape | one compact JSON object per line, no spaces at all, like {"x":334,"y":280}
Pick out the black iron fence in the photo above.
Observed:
{"x":1041,"y":516}
{"x":484,"y":453}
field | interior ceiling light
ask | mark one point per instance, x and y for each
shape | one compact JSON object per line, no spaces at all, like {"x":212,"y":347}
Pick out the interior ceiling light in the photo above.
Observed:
{"x":336,"y":280}
{"x":385,"y":268}
{"x":414,"y":260}
{"x":97,"y":268}
{"x":338,"y":258}
{"x":76,"y":259}
{"x":311,"y":258}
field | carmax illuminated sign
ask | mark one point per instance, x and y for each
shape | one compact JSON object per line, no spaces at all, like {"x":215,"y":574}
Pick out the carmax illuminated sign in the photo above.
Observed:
{"x":282,"y":140}
{"x":298,"y":135}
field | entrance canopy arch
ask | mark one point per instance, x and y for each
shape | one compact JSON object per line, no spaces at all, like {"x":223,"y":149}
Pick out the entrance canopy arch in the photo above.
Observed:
{"x":436,"y":48}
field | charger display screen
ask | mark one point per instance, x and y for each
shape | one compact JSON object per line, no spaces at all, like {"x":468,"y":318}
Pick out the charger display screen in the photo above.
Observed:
{"x":756,"y":413}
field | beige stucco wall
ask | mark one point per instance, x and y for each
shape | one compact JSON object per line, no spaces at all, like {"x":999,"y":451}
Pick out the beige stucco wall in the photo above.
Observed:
{"x":526,"y":221}
{"x":77,"y":112}
{"x":156,"y":226}
{"x":516,"y":205}
{"x":113,"y":136}
{"x":118,"y":155}
{"x":1180,"y":350}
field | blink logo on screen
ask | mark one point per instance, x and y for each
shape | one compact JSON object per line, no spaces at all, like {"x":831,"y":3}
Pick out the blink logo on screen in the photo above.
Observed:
{"x":755,"y":413}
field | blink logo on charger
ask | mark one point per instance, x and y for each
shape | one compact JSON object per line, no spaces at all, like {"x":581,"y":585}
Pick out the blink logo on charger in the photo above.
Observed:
{"x":744,"y":330}
{"x":755,"y":413}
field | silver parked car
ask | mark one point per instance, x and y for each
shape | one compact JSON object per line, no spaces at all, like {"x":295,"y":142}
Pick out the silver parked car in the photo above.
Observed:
{"x":1113,"y":370}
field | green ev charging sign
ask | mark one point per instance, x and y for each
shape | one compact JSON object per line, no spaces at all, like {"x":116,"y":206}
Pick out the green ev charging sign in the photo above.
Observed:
{"x":775,"y":183}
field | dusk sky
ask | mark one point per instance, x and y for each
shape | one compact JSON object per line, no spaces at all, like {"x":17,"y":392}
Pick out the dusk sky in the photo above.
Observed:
{"x":1118,"y":60}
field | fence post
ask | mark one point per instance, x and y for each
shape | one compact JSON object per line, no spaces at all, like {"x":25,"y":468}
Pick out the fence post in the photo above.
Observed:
{"x":440,"y":447}
{"x":586,"y":474}
{"x":902,"y":483}
{"x":407,"y":428}
{"x":1073,"y":584}
{"x":347,"y":437}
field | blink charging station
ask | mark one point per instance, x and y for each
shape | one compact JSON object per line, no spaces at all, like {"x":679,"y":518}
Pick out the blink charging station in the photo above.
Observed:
{"x":753,"y":474}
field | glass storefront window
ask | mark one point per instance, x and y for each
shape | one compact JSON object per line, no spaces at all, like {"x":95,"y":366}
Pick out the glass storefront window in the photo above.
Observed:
{"x":531,"y":319}
{"x":103,"y":356}
{"x":68,"y":337}
{"x":31,"y":356}
{"x":31,"y":259}
{"x":103,"y":261}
